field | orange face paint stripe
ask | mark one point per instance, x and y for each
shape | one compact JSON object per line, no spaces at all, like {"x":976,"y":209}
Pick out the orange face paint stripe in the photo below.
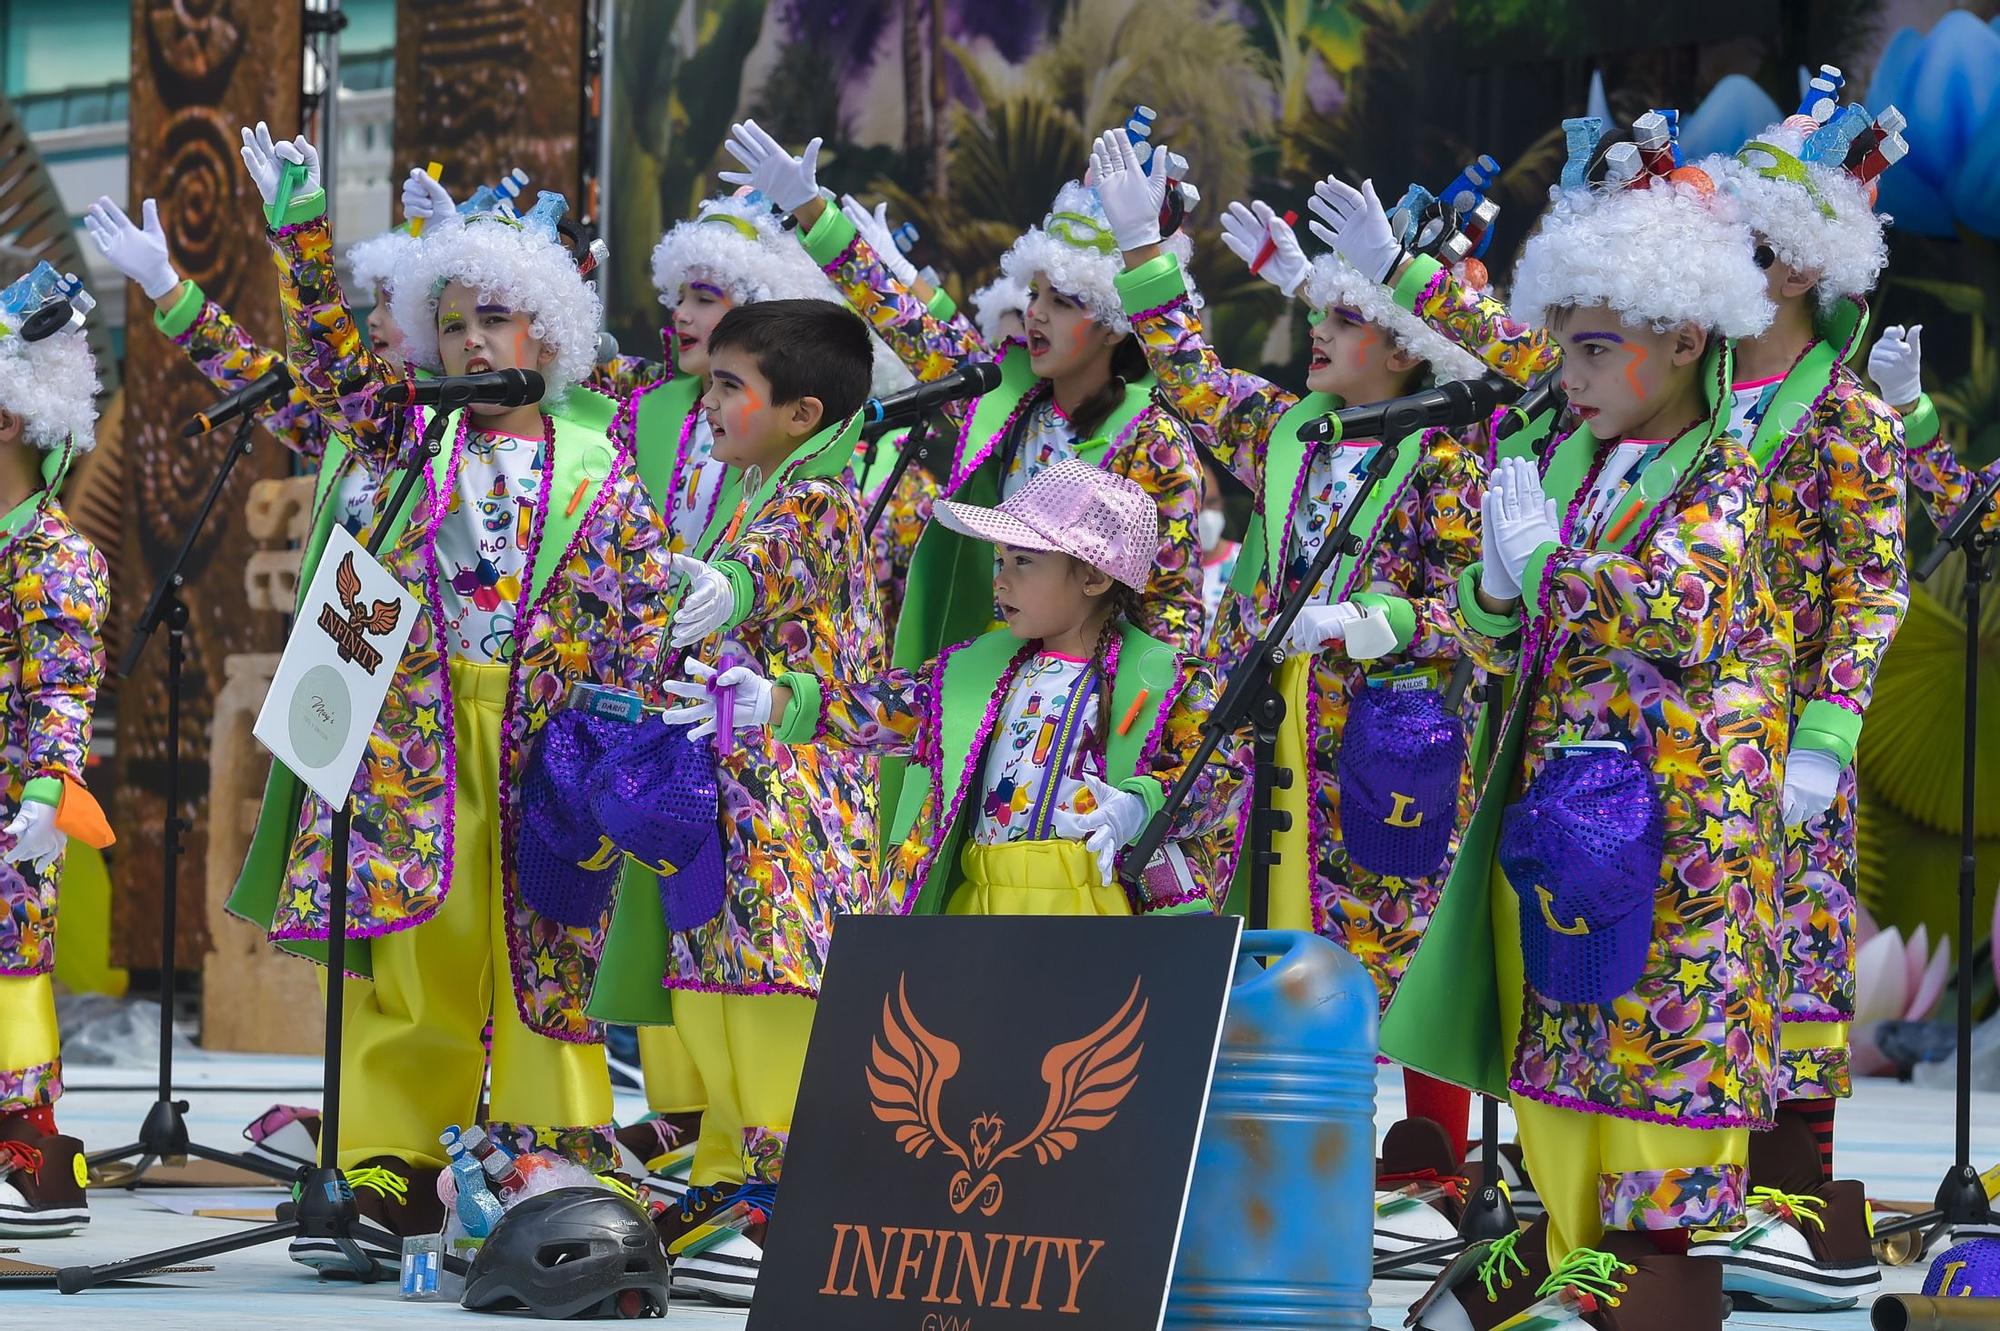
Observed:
{"x":1639,"y":355}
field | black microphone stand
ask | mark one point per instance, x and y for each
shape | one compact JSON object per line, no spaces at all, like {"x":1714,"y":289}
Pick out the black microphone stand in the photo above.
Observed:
{"x":1961,"y":1198}
{"x":915,"y":444}
{"x":325,"y":1207}
{"x":163,"y":1136}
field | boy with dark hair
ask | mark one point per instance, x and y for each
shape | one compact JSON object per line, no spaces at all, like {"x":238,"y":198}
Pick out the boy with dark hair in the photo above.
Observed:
{"x":782,"y":582}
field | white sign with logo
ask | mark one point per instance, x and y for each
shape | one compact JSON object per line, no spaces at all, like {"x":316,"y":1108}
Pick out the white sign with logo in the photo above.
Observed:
{"x":352,"y":627}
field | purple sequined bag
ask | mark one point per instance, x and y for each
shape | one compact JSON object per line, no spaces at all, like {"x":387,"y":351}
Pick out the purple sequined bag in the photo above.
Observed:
{"x":656,"y":798}
{"x":1401,"y":756}
{"x":1583,"y":849}
{"x":566,"y":870}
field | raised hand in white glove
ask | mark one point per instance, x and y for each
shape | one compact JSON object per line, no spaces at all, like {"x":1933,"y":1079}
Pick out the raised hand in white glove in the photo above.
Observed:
{"x":1131,"y":198}
{"x":1246,"y":232}
{"x":789,"y":182}
{"x":1811,"y":779}
{"x":1524,"y":519}
{"x":706,"y":605}
{"x":1354,"y":223}
{"x":36,"y":837}
{"x":875,"y":229}
{"x":1116,"y":822}
{"x":750,"y":698}
{"x":1318,"y":625}
{"x":1896,"y":363}
{"x":139,"y":254}
{"x":424,"y":198}
{"x":266,"y":160}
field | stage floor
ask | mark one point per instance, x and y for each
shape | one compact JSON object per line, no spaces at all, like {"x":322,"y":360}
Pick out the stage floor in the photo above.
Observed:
{"x":1896,"y":1138}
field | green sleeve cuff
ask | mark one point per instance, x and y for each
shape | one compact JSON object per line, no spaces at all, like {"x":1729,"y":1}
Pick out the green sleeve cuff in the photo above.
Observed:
{"x":1828,"y":727}
{"x":742,"y":588}
{"x":1415,"y":278}
{"x":1156,"y":282}
{"x":1148,"y":789}
{"x":177,"y":318}
{"x":1402,"y":615}
{"x":1534,"y":575}
{"x":802,"y":716}
{"x":1920,"y":423}
{"x":303,"y":208}
{"x":829,"y":237}
{"x":1477,"y":617}
{"x":44,"y":790}
{"x":941,"y":305}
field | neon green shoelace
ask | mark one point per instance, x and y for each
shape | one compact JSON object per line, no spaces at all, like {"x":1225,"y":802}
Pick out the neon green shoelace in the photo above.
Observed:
{"x":384,"y":1182}
{"x":1588,"y":1271}
{"x":1493,"y":1266}
{"x":619,"y":1186}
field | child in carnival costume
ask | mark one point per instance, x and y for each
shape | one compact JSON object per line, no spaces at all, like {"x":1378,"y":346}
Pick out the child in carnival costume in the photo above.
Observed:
{"x":1605,"y":950}
{"x":539,"y":563}
{"x":54,"y":591}
{"x":1377,"y":865}
{"x":1833,"y":456}
{"x":1043,"y":747}
{"x":781,"y":581}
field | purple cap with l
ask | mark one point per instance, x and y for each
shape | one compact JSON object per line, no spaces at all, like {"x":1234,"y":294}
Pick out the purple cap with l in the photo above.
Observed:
{"x":1969,"y":1270}
{"x":1401,"y":755}
{"x":1583,"y":848}
{"x":565,"y":869}
{"x":655,"y":796}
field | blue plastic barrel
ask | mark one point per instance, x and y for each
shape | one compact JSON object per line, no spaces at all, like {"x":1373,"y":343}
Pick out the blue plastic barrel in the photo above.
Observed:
{"x":1280,"y":1220}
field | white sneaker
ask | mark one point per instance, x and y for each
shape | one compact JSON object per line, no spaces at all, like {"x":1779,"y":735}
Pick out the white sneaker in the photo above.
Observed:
{"x":1773,"y":1261}
{"x":41,"y":1185}
{"x":286,"y":1135}
{"x":1403,"y":1223}
{"x":725,"y":1273}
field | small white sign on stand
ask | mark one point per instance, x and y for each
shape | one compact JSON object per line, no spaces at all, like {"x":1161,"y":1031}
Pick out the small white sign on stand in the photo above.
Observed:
{"x":331,"y":682}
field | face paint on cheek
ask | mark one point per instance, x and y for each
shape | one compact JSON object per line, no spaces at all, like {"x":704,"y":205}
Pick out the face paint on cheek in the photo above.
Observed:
{"x":1079,"y":335}
{"x":1364,"y":344}
{"x":520,"y":346}
{"x":737,"y":418}
{"x":1638,"y":356}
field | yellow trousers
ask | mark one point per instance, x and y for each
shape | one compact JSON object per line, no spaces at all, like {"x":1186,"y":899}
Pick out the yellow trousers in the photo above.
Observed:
{"x":750,"y":1053}
{"x":30,"y":1049}
{"x":1034,"y":878}
{"x":413,"y":1063}
{"x":673,"y":1084}
{"x":1571,"y":1154}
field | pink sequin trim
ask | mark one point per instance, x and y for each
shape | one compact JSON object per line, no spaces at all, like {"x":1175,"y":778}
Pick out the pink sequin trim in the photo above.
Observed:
{"x":1431,"y":289}
{"x":756,"y":990}
{"x":1716,"y":1122}
{"x":1159,"y":310}
{"x":1843,"y":702}
{"x":965,"y":469}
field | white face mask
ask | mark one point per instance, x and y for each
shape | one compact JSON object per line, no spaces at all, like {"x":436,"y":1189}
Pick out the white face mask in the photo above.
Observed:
{"x":1210,"y":528}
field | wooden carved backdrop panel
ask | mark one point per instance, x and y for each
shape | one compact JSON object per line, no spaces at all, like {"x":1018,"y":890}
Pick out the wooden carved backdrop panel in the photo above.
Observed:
{"x":484,"y":86}
{"x":201,"y":69}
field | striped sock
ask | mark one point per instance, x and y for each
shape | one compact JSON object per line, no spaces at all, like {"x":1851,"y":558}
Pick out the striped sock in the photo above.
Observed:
{"x":1817,"y":1116}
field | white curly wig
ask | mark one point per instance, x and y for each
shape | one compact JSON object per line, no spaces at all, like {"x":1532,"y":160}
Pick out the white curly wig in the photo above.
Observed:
{"x":1073,"y":248}
{"x":1004,"y":295}
{"x":1334,"y":282}
{"x":736,"y":242}
{"x":1660,"y":254}
{"x":501,"y":260}
{"x":1813,"y":216}
{"x":52,"y":386}
{"x":374,"y":261}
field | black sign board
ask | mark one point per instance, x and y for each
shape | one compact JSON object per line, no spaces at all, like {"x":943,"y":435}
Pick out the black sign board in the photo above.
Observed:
{"x":997,"y":1124}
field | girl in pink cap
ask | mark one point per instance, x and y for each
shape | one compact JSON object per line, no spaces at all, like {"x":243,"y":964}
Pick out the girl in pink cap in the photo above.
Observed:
{"x":1037,"y":750}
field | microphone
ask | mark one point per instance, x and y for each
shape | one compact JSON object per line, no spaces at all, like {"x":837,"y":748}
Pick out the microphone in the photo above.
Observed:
{"x":274,"y":382}
{"x":967,"y":381}
{"x":1545,"y":398}
{"x":500,"y":388}
{"x":1454,"y":403}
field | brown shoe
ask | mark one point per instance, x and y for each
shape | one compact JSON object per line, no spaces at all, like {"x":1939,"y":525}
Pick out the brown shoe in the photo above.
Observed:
{"x":658,"y":1152}
{"x":389,"y":1194}
{"x":1487,"y":1283}
{"x":1417,"y":1162}
{"x":1657,"y":1292}
{"x":41,"y":1182}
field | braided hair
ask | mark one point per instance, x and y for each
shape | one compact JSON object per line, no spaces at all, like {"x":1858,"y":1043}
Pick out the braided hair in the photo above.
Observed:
{"x":1121,"y":602}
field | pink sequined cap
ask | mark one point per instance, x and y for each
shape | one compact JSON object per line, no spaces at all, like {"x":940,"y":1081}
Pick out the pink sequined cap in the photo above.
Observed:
{"x":1075,"y":509}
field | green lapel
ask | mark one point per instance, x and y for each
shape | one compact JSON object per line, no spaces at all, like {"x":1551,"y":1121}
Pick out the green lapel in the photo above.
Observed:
{"x":1790,"y":411}
{"x":1285,"y":459}
{"x":657,"y":426}
{"x":823,"y":456}
{"x":991,"y":410}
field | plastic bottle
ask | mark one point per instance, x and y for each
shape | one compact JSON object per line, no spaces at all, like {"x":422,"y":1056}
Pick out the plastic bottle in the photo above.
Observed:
{"x":478,"y":1209}
{"x":507,"y":1173}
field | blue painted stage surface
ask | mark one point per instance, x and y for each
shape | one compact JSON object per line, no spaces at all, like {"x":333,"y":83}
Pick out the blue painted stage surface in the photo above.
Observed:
{"x":1895,"y":1138}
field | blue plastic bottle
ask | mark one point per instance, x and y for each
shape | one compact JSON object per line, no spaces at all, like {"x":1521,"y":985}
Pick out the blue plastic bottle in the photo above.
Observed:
{"x":1280,"y":1220}
{"x":478,"y":1209}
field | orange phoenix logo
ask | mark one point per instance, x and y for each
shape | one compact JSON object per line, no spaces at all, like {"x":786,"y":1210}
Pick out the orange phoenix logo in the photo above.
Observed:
{"x":350,"y":631}
{"x":1087,"y":1080}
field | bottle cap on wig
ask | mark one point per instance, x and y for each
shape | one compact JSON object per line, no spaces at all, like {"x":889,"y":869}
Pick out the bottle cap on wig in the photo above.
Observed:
{"x":47,"y":375}
{"x":373,"y":262}
{"x":1074,"y":249}
{"x":1636,"y":230}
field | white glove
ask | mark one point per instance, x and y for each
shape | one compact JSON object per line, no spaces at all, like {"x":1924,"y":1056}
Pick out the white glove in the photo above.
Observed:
{"x":139,"y":254}
{"x":789,"y":182}
{"x":35,"y":835}
{"x":751,"y":694}
{"x":1318,"y":625}
{"x":1494,"y":579}
{"x":1896,"y":362}
{"x":1524,"y":520}
{"x":1811,"y":779}
{"x":1245,"y":231}
{"x":874,"y":228}
{"x":1132,"y":199}
{"x":705,"y":606}
{"x":266,"y":161}
{"x":1116,"y":822}
{"x":424,"y":198}
{"x":1355,"y":225}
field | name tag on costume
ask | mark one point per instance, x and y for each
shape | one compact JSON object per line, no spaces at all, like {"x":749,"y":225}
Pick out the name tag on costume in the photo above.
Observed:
{"x":997,"y":1124}
{"x":354,"y":622}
